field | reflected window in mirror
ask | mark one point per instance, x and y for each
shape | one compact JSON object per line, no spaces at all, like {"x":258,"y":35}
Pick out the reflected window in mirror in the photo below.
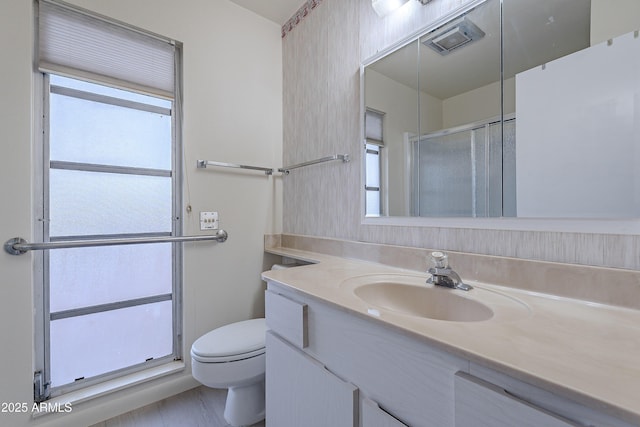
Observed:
{"x":390,"y":85}
{"x":374,"y":144}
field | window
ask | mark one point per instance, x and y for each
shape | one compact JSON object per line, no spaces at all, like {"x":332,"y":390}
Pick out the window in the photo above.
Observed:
{"x":374,"y":144}
{"x":110,"y":168}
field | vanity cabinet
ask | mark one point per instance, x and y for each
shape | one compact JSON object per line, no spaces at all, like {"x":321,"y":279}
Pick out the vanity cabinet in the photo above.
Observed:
{"x":481,"y":404}
{"x":372,"y":416}
{"x":303,"y":392}
{"x":400,"y":381}
{"x":510,"y":396}
{"x":327,"y":366}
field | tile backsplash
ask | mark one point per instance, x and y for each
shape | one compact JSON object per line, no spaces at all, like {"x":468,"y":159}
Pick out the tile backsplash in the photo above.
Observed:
{"x":620,"y":287}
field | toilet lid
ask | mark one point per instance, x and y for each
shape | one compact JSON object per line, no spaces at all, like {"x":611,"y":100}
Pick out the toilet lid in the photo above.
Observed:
{"x":233,"y":339}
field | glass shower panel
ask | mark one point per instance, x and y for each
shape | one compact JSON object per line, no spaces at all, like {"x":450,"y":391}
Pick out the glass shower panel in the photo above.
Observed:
{"x":480,"y":172}
{"x":509,"y":170}
{"x":460,"y":174}
{"x":493,"y":163}
{"x":445,"y":168}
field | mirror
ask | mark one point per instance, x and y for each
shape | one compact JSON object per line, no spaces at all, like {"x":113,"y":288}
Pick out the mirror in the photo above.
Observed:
{"x":546,"y":127}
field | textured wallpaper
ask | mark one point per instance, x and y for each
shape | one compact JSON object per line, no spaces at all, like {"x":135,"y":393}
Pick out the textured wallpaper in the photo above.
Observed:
{"x":321,"y":72}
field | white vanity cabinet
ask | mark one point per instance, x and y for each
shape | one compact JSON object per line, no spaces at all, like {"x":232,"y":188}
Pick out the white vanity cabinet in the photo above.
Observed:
{"x":400,"y":380}
{"x":372,"y":416}
{"x":302,"y":392}
{"x":505,"y":398}
{"x":328,"y":366}
{"x":481,"y":404}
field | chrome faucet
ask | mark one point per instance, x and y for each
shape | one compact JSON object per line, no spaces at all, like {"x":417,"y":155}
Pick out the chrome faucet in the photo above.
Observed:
{"x":443,"y":275}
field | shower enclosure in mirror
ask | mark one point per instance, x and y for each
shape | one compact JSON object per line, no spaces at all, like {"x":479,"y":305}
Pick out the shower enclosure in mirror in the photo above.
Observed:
{"x":512,"y":108}
{"x":466,"y":164}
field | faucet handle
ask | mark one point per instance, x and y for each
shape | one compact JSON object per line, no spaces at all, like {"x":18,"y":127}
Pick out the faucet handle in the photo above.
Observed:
{"x":440,"y":259}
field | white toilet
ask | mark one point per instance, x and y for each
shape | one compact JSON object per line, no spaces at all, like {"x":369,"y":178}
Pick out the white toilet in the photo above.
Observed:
{"x":233,"y":357}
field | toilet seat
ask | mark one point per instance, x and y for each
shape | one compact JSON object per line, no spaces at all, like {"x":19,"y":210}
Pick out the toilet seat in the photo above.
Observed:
{"x":223,"y":359}
{"x":236,"y":341}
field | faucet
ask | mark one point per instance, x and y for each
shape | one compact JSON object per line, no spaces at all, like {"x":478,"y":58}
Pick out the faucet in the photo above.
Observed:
{"x":443,"y":275}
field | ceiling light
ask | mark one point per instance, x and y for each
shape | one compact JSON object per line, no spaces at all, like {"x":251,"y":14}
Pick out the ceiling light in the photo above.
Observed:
{"x":384,"y":7}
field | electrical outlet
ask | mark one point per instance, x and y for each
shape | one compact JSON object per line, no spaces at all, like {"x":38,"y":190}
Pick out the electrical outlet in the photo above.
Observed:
{"x":208,"y":220}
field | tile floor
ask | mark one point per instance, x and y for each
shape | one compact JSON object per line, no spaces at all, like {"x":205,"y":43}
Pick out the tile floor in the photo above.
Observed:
{"x":199,"y":407}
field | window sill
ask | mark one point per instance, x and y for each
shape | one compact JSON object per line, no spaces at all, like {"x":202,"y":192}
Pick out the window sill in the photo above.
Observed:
{"x":66,"y":402}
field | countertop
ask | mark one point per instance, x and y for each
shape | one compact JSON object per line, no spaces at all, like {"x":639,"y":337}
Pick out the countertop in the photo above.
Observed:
{"x":586,"y":352}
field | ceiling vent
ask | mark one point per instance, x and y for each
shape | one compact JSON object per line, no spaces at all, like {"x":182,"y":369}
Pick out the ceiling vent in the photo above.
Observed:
{"x":454,"y":37}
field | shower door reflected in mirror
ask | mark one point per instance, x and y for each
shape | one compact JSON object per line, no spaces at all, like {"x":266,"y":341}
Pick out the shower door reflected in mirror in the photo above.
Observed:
{"x":466,"y":164}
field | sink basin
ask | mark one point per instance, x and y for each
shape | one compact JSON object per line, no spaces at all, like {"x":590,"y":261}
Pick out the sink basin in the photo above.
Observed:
{"x":410,"y":296}
{"x":423,"y":301}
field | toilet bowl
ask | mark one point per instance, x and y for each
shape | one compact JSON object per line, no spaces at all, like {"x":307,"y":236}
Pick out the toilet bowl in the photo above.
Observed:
{"x":233,"y":357}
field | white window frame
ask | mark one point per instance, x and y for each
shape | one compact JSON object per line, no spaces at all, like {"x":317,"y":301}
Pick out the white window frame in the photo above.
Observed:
{"x":41,"y":169}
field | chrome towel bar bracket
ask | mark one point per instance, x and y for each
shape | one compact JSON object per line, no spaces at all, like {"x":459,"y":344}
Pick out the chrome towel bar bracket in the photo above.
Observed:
{"x":19,"y":246}
{"x":344,"y":157}
{"x":203,"y":164}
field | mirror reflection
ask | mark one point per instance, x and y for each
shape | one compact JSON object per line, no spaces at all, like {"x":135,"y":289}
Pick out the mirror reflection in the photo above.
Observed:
{"x":455,"y":127}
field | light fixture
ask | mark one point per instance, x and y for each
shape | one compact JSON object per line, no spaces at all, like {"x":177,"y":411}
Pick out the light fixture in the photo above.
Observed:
{"x":385,"y":7}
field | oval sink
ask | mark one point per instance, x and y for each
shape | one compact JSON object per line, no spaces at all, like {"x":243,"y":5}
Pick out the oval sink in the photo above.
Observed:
{"x":423,"y":301}
{"x":410,"y":295}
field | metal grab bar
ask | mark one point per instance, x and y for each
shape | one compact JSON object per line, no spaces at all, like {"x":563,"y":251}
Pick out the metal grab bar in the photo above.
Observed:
{"x":19,"y":246}
{"x":202,"y":164}
{"x":344,"y":157}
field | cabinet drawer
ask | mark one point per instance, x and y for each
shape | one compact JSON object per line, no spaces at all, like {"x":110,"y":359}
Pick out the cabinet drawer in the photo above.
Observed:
{"x":287,"y":318}
{"x":372,"y":416}
{"x":481,"y":404}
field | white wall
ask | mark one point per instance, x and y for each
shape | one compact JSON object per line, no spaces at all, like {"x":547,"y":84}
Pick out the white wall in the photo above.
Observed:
{"x":611,"y":19}
{"x":232,"y":112}
{"x":593,"y":113}
{"x":478,"y":104}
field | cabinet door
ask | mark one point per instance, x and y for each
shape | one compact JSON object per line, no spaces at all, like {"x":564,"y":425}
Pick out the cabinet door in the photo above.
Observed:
{"x":301,"y":392}
{"x":481,"y":404}
{"x":372,"y":416}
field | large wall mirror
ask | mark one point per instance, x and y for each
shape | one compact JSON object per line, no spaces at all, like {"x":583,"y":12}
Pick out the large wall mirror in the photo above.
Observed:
{"x":512,"y":108}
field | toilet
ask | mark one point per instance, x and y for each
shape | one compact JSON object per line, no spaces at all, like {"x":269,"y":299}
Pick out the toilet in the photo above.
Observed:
{"x":233,"y":357}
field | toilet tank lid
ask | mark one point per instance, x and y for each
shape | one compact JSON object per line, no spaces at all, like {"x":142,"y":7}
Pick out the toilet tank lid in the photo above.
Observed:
{"x":235,"y":338}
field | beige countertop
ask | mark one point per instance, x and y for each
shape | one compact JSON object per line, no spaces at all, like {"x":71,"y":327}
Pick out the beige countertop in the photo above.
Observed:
{"x":586,"y":352}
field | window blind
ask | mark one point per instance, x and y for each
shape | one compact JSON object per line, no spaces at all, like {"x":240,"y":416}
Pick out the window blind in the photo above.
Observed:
{"x":73,"y":42}
{"x":373,"y":127}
